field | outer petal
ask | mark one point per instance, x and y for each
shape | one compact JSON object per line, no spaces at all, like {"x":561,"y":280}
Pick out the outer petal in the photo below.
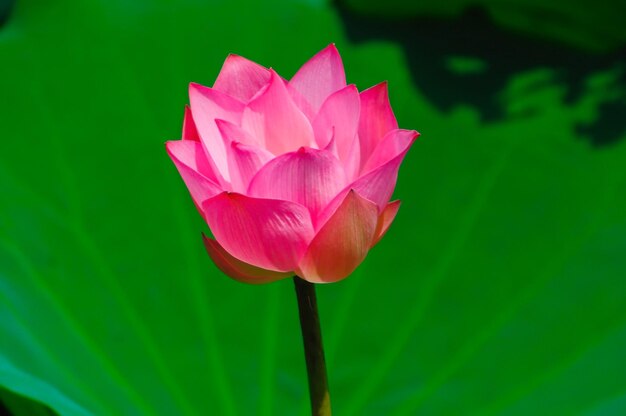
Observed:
{"x":241,"y":78}
{"x":378,"y":184}
{"x":191,"y":163}
{"x":320,"y":76}
{"x":310,"y":177}
{"x":190,"y":132}
{"x":342,"y":243}
{"x":376,"y":118}
{"x":265,"y":233}
{"x":237,"y":269}
{"x":275,"y":120}
{"x":385,"y":219}
{"x":339,"y":113}
{"x":207,"y":105}
{"x":394,"y":143}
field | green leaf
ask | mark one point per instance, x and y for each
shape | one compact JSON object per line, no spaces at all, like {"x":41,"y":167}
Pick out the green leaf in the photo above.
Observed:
{"x":499,"y":290}
{"x":21,"y":406}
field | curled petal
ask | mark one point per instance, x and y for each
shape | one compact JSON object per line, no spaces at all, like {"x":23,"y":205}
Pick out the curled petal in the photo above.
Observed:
{"x":244,"y":162}
{"x":331,"y":146}
{"x":265,"y":233}
{"x":233,"y":133}
{"x":394,"y":143}
{"x":322,"y":75}
{"x":237,"y":269}
{"x":310,"y":177}
{"x":193,"y":167}
{"x":339,"y":113}
{"x":275,"y":120}
{"x":241,"y":78}
{"x":342,"y":242}
{"x":245,"y":158}
{"x":376,"y":119}
{"x":190,"y":132}
{"x":208,"y":104}
{"x":385,"y":219}
{"x":378,"y":184}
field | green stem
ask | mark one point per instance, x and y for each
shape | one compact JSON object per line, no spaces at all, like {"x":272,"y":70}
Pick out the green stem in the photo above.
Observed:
{"x":313,"y":348}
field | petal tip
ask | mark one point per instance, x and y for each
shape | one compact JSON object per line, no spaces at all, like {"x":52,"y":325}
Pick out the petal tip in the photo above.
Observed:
{"x":332,"y":47}
{"x":169,"y":144}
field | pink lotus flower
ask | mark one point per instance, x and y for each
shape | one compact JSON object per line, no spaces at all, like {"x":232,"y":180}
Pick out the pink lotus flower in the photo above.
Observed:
{"x":292,"y":177}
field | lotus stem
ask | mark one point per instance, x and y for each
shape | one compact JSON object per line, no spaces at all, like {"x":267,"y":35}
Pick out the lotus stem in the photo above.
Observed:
{"x":313,"y":348}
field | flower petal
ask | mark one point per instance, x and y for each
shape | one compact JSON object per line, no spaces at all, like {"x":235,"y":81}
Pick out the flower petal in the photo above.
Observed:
{"x":266,"y":233}
{"x":241,"y":78}
{"x":378,"y":184}
{"x":342,"y":243}
{"x":322,"y":75}
{"x":190,"y":132}
{"x":233,"y":133}
{"x":275,"y":120}
{"x":237,"y":269}
{"x":191,"y":162}
{"x":207,"y":105}
{"x":376,"y":118}
{"x":385,"y":219}
{"x":244,"y":161}
{"x":301,"y":102}
{"x":331,"y":146}
{"x":394,"y":143}
{"x":245,"y":158}
{"x":352,"y":163}
{"x":310,"y":177}
{"x":339,"y":113}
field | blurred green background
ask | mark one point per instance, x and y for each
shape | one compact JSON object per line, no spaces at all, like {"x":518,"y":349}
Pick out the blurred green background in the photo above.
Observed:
{"x":499,"y":290}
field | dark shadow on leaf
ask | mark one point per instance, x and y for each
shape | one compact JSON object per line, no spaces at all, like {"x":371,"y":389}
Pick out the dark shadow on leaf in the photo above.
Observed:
{"x":469,"y":60}
{"x":5,"y":10}
{"x":610,"y":124}
{"x":12,"y":404}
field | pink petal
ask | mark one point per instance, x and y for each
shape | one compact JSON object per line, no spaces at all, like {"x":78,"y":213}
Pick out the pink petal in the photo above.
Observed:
{"x":244,"y":162}
{"x":301,"y":102}
{"x":265,"y":233}
{"x":237,"y":269}
{"x":275,"y":120}
{"x":207,"y":105}
{"x":385,"y":219}
{"x":322,"y":75}
{"x":378,"y":184}
{"x":310,"y":177}
{"x":331,"y":145}
{"x":233,"y":133}
{"x":352,"y":163}
{"x":241,"y":78}
{"x":376,"y":118}
{"x":189,"y":127}
{"x":189,"y":158}
{"x":339,"y":113}
{"x":245,"y":158}
{"x":342,"y":243}
{"x":394,"y":143}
